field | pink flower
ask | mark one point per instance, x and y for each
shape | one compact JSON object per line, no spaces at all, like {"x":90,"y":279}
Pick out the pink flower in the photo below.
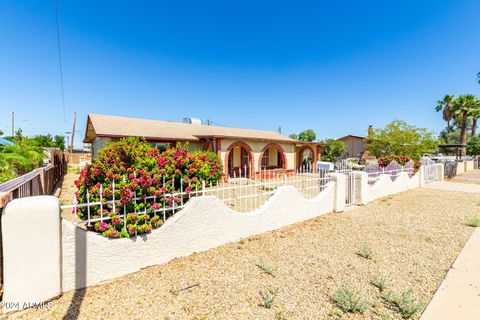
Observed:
{"x":102,"y":226}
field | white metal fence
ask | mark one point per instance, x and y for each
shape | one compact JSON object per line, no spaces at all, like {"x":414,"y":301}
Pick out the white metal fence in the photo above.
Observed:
{"x":393,"y":169}
{"x":345,"y":168}
{"x":242,"y":193}
{"x":430,"y":173}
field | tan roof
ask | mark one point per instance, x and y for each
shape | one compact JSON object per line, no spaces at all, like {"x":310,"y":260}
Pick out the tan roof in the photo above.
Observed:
{"x":99,"y":125}
{"x":351,"y":136}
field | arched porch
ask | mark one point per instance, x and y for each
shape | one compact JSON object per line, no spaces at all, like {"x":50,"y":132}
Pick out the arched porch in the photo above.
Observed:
{"x":238,"y":160}
{"x":272,"y":157}
{"x":306,"y":158}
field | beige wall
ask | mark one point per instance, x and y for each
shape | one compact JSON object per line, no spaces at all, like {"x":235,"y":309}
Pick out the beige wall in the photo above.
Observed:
{"x":237,"y":161}
{"x":98,"y":144}
{"x":257,"y":147}
{"x":355,"y":146}
{"x":272,"y":157}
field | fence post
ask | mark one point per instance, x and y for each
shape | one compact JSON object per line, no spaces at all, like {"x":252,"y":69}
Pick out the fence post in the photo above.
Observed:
{"x":422,"y":175}
{"x":339,"y":195}
{"x":31,"y":252}
{"x":361,"y":188}
{"x":440,"y":171}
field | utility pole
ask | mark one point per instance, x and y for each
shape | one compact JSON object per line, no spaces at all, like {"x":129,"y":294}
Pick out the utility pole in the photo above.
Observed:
{"x":13,"y":124}
{"x":73,"y":130}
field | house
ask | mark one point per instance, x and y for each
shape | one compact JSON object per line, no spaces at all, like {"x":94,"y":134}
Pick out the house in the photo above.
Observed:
{"x":355,"y":145}
{"x":242,"y":151}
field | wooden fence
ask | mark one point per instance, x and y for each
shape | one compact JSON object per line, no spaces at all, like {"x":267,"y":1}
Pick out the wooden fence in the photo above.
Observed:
{"x":76,"y":158}
{"x":40,"y":181}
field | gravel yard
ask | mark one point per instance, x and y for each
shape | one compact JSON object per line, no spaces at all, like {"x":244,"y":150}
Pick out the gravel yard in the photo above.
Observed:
{"x":414,"y":236}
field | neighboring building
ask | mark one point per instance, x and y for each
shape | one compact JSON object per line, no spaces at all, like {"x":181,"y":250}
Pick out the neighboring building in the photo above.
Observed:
{"x":355,"y":145}
{"x":238,"y":148}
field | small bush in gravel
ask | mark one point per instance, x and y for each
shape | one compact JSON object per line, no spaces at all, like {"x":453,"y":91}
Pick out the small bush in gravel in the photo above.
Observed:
{"x":379,"y":281}
{"x":349,"y":300}
{"x":474,"y":222}
{"x":365,"y":251}
{"x":406,"y":302}
{"x":279,"y":315}
{"x":266,"y":268}
{"x":268,"y":297}
{"x":382,"y":315}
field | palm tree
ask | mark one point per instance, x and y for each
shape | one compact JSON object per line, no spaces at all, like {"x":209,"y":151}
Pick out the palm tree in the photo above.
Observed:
{"x":445,"y":105}
{"x":475,"y":115}
{"x":462,"y":109}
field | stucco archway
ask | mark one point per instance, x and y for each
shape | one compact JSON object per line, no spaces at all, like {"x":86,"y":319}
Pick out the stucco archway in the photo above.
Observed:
{"x":306,"y":162}
{"x":282,"y":160}
{"x":234,"y":166}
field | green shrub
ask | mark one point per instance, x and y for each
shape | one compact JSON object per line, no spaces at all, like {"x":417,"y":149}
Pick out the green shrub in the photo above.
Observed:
{"x":380,"y":282}
{"x":268,"y":297}
{"x":266,"y":268}
{"x":365,"y":251}
{"x":140,"y":171}
{"x":349,"y":300}
{"x":19,"y":159}
{"x":406,"y":302}
{"x":474,"y":222}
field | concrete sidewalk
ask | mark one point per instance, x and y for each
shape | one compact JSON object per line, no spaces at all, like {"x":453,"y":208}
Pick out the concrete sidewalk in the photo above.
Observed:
{"x":458,"y":296}
{"x":453,"y":186}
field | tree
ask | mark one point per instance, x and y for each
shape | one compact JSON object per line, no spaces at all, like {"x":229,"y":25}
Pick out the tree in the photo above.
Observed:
{"x":1,"y":133}
{"x":43,"y":140}
{"x":463,"y":108}
{"x":475,"y":115}
{"x":59,"y":142}
{"x":401,"y":139}
{"x":445,"y":106}
{"x":293,"y":136}
{"x":18,"y":137}
{"x":308,"y":135}
{"x":48,"y":141}
{"x":333,"y":150}
{"x":473,"y":146}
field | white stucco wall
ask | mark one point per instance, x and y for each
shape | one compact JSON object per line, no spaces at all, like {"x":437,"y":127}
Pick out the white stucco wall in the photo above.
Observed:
{"x":468,"y":165}
{"x":384,"y":186}
{"x":204,"y":223}
{"x":460,"y":167}
{"x":31,"y":251}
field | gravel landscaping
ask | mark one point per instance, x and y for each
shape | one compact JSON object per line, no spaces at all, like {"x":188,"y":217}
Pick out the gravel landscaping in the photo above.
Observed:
{"x":400,"y":243}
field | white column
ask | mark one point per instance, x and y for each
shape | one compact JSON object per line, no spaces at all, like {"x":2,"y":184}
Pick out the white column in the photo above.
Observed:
{"x":361,"y":188}
{"x":339,"y":180}
{"x":31,"y":252}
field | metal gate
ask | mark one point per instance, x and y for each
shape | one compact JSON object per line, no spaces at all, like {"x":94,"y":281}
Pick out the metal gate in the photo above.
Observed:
{"x":430,"y":173}
{"x":345,"y":168}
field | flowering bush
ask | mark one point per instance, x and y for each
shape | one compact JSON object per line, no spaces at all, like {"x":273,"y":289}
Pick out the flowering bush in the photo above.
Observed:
{"x":401,"y":160}
{"x":138,"y":171}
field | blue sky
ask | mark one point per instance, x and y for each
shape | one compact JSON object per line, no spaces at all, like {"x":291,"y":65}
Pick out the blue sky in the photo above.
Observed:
{"x":333,"y":66}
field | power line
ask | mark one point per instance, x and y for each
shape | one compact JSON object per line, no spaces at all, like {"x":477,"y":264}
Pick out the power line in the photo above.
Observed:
{"x":60,"y":59}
